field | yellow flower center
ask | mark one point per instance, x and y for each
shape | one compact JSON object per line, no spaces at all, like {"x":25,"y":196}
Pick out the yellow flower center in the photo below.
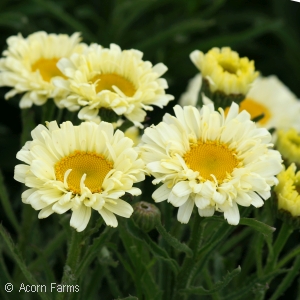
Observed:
{"x":256,"y":109}
{"x":94,"y":165}
{"x":211,"y":158}
{"x":47,"y":68}
{"x":107,"y":81}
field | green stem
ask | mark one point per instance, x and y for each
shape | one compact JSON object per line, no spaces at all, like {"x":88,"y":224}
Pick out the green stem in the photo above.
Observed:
{"x":184,"y":276}
{"x":288,"y":257}
{"x":74,"y":250}
{"x":281,"y":240}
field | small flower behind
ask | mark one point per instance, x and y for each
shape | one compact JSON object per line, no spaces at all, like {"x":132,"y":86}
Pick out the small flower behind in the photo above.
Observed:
{"x":288,"y":143}
{"x":113,"y":80}
{"x":288,"y":196}
{"x":211,"y":161}
{"x":80,"y":168}
{"x":29,"y":65}
{"x":225,"y":76}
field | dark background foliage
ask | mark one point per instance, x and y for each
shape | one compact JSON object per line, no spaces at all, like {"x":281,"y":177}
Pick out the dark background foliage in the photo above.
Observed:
{"x":167,"y":31}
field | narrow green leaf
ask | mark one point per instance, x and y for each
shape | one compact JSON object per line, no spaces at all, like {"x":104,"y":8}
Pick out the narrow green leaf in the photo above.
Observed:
{"x":28,"y":124}
{"x":128,"y":298}
{"x":153,"y":247}
{"x":6,"y":204}
{"x":93,"y":250}
{"x":287,"y":280}
{"x":187,"y":26}
{"x":259,"y":226}
{"x":174,"y":242}
{"x":57,"y":11}
{"x":246,"y":290}
{"x":19,"y":261}
{"x":217,"y":287}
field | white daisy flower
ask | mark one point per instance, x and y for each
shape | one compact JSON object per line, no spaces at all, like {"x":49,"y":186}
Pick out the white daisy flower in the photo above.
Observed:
{"x":29,"y":65}
{"x":224,"y":70}
{"x":268,"y":96}
{"x":210,"y":160}
{"x":113,"y":79}
{"x":190,"y":96}
{"x":80,"y":168}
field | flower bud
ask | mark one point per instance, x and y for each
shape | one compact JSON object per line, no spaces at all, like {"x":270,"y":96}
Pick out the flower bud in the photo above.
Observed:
{"x":145,"y":215}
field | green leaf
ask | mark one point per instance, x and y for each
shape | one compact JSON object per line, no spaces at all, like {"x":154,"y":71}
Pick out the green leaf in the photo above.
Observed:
{"x":6,"y":204}
{"x":20,"y":262}
{"x":128,"y":298}
{"x":217,"y":287}
{"x":287,"y":280}
{"x":57,"y":11}
{"x":153,"y":247}
{"x":257,"y":281}
{"x":174,"y":242}
{"x":93,"y":250}
{"x":263,"y":228}
{"x":163,"y":36}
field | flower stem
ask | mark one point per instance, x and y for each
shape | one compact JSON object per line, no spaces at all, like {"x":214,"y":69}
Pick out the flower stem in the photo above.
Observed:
{"x":281,"y":240}
{"x":74,"y":250}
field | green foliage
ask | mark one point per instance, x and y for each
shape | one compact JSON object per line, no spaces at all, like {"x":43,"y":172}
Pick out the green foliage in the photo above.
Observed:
{"x":174,"y":261}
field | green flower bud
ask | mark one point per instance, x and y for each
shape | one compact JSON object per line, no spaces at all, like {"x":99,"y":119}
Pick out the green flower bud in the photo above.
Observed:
{"x":145,"y":215}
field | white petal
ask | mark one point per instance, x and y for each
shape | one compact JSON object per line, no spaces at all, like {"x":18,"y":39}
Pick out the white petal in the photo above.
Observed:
{"x":177,"y":201}
{"x":108,"y":217}
{"x":161,"y":193}
{"x":232,"y":214}
{"x":207,"y":212}
{"x":121,"y":208}
{"x":185,"y":211}
{"x":80,"y":218}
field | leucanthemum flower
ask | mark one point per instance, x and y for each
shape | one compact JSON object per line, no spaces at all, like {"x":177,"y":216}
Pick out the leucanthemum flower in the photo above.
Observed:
{"x":288,"y":191}
{"x":288,"y":143}
{"x":80,"y":168}
{"x":224,"y":70}
{"x":268,"y":96}
{"x":112,"y":79}
{"x":29,"y":65}
{"x":210,"y":160}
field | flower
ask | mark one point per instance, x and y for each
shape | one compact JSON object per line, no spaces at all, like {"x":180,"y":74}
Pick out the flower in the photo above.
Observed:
{"x":288,"y":143}
{"x":288,"y":191}
{"x":190,"y":96}
{"x":268,"y":96}
{"x":29,"y":65}
{"x":112,"y":79}
{"x":224,"y":70}
{"x":212,"y":161}
{"x":79,"y":168}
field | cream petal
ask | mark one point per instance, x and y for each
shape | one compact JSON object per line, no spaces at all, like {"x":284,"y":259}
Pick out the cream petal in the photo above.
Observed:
{"x":185,"y":211}
{"x":161,"y":194}
{"x":80,"y":218}
{"x":177,"y":201}
{"x":201,"y":202}
{"x":181,"y":189}
{"x":121,"y":208}
{"x":45,"y":212}
{"x":232,"y":214}
{"x":206,"y":212}
{"x":108,"y":217}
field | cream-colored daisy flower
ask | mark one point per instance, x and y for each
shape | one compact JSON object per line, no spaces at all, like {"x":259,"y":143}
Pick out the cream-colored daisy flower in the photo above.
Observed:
{"x":288,"y":143}
{"x":190,"y":96}
{"x":210,"y":160}
{"x":224,"y":70}
{"x":268,"y":96}
{"x":112,"y":79}
{"x":80,"y":168}
{"x":288,"y":191}
{"x":29,"y":65}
